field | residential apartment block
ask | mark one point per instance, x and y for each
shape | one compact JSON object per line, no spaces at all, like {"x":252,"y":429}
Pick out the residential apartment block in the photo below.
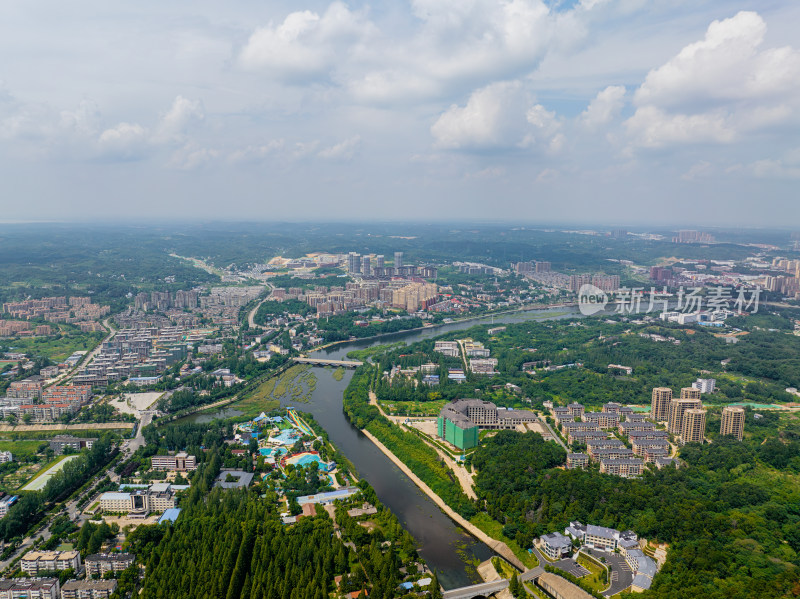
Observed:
{"x":659,"y":405}
{"x":577,"y":460}
{"x":30,"y":588}
{"x":60,"y":442}
{"x":34,"y":562}
{"x":732,"y":422}
{"x":626,"y":468}
{"x":677,"y":408}
{"x":88,"y":589}
{"x":694,"y":426}
{"x":100,"y":563}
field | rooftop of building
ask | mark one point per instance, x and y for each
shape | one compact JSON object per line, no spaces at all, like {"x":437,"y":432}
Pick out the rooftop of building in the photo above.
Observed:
{"x":109,"y":557}
{"x":564,"y":588}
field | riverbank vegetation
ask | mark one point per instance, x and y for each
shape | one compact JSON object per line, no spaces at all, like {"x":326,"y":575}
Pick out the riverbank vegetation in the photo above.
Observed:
{"x":421,"y":458}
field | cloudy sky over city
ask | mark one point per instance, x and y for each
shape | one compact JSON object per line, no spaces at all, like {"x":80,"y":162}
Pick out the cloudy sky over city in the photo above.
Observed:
{"x":611,"y":110}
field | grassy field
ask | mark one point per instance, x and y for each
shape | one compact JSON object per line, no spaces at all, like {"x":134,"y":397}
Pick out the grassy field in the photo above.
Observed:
{"x":413,"y":408}
{"x":504,"y":569}
{"x":495,"y":530}
{"x":56,"y":348}
{"x":295,"y":384}
{"x":19,"y":447}
{"x":596,"y":577}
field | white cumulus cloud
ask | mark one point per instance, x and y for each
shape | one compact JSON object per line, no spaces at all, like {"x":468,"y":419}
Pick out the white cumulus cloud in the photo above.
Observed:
{"x":605,"y":107}
{"x":498,"y":116}
{"x":719,"y":88}
{"x":306,"y":45}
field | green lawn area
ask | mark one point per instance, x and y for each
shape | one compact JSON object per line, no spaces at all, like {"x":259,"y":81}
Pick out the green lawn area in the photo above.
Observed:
{"x":65,"y":547}
{"x":495,"y":530}
{"x":596,"y":577}
{"x":56,"y":348}
{"x":20,"y":446}
{"x":504,"y":569}
{"x":413,"y":408}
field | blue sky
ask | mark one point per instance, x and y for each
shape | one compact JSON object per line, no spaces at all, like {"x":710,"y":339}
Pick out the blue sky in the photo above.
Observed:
{"x":622,"y":111}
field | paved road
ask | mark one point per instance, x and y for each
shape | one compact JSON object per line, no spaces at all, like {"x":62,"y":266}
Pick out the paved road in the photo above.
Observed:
{"x":552,"y":432}
{"x":251,"y":317}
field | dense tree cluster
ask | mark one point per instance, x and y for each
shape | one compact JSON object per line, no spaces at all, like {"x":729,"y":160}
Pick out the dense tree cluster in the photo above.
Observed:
{"x":732,"y":523}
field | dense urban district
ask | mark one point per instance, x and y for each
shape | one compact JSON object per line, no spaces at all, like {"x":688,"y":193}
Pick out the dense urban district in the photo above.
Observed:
{"x":607,"y":413}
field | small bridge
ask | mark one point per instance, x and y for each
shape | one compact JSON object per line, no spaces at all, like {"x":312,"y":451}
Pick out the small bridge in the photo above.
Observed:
{"x":485,"y":589}
{"x":324,"y":362}
{"x":476,"y":590}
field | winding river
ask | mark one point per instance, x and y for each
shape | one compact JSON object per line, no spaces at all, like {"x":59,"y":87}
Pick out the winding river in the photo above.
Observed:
{"x":446,"y":548}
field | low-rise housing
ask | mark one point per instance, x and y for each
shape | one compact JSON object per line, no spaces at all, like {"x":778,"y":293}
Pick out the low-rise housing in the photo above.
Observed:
{"x":59,"y":442}
{"x":555,"y":545}
{"x":88,"y":589}
{"x":30,"y":588}
{"x":626,"y":467}
{"x":602,"y":419}
{"x":577,"y":460}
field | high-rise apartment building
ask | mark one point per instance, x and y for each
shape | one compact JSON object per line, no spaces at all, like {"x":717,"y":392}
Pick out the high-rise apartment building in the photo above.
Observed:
{"x":366,"y":269}
{"x":659,"y":405}
{"x":353,"y":263}
{"x":732,"y":422}
{"x":398,"y":260}
{"x":694,"y":426}
{"x":677,"y":408}
{"x":379,"y":261}
{"x":690,"y":393}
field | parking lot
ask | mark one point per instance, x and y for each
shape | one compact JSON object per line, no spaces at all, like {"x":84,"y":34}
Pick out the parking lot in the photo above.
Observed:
{"x":621,"y":575}
{"x":570,"y":566}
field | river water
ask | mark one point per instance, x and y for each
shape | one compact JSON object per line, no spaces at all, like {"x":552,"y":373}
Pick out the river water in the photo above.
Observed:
{"x":446,"y":547}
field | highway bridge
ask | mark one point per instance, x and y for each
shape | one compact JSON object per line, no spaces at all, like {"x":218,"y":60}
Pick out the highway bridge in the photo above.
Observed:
{"x":325,"y":362}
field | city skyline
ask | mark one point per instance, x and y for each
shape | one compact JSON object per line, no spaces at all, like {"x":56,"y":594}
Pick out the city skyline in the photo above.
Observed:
{"x":547,"y":111}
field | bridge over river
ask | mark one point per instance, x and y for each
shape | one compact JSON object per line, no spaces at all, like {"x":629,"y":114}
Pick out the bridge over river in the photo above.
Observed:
{"x":485,"y":589}
{"x":326,"y":362}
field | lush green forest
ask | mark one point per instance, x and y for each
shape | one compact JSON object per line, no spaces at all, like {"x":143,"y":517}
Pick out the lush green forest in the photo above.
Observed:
{"x":731,"y":519}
